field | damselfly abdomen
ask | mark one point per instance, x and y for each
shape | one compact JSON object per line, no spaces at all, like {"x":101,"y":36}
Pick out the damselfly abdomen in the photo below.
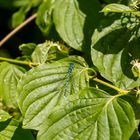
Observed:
{"x":68,"y":77}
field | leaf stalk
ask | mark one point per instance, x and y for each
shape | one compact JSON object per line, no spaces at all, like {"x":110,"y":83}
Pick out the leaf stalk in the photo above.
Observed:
{"x":121,"y":91}
{"x":30,"y":64}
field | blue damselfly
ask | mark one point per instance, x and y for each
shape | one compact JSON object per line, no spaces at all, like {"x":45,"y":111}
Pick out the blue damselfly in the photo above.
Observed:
{"x":68,"y":76}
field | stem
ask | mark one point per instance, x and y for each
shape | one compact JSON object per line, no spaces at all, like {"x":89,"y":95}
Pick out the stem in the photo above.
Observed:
{"x":111,"y":86}
{"x":18,"y":61}
{"x":7,"y":37}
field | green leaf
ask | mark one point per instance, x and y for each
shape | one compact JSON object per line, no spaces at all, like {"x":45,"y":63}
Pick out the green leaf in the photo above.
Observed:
{"x":48,"y":85}
{"x":9,"y":4}
{"x":10,"y":130}
{"x":120,"y":8}
{"x":117,"y":8}
{"x":75,"y":21}
{"x":4,"y":116}
{"x":21,"y":3}
{"x":132,"y":100}
{"x":135,"y":136}
{"x":19,"y":16}
{"x":9,"y":77}
{"x":95,"y":115}
{"x":44,"y":16}
{"x":27,"y":49}
{"x":114,"y":46}
{"x":48,"y":51}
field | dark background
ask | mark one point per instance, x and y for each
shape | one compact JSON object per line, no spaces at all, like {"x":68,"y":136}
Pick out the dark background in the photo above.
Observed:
{"x":30,"y":33}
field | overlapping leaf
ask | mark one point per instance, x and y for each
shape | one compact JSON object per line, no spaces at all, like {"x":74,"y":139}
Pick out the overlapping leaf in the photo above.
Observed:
{"x":48,"y":51}
{"x":120,"y":8}
{"x":27,"y":49}
{"x":75,"y":20}
{"x":4,"y":115}
{"x":48,"y":85}
{"x":9,"y":77}
{"x":114,"y":47}
{"x":95,"y":115}
{"x":10,"y":129}
{"x":25,"y":5}
{"x":44,"y":16}
{"x":20,"y":15}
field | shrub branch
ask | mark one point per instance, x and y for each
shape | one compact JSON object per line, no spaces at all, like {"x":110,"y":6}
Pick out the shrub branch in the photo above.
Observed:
{"x":8,"y":36}
{"x":111,"y":86}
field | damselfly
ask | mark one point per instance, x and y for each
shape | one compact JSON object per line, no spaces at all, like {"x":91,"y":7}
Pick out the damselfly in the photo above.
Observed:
{"x":68,"y":76}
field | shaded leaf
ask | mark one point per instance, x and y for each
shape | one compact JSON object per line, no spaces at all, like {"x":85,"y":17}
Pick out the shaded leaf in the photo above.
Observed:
{"x":120,"y":8}
{"x":19,"y":16}
{"x":44,"y":16}
{"x":136,"y":135}
{"x":114,"y":47}
{"x":48,"y":51}
{"x":8,"y":4}
{"x":94,"y":115}
{"x":10,"y":129}
{"x":132,"y":99}
{"x":48,"y":85}
{"x":27,"y":49}
{"x":9,"y":77}
{"x":4,"y":116}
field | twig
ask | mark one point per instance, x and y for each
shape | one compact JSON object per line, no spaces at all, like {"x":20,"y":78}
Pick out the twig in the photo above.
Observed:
{"x":30,"y":64}
{"x":7,"y":37}
{"x":111,"y":86}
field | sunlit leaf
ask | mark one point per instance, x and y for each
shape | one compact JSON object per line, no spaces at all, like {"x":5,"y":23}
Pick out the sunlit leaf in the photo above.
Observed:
{"x":10,"y":129}
{"x":9,"y":77}
{"x":117,"y":8}
{"x":48,"y":51}
{"x":48,"y":85}
{"x":95,"y":115}
{"x":4,"y":115}
{"x":120,"y":8}
{"x":75,"y":21}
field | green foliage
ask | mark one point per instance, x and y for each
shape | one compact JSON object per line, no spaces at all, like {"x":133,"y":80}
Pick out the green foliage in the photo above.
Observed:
{"x":19,"y":16}
{"x":114,"y":60}
{"x":9,"y":77}
{"x":92,"y":115}
{"x":75,"y":20}
{"x":83,"y":82}
{"x":13,"y":131}
{"x":48,"y":51}
{"x":43,"y":88}
{"x":44,"y":18}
